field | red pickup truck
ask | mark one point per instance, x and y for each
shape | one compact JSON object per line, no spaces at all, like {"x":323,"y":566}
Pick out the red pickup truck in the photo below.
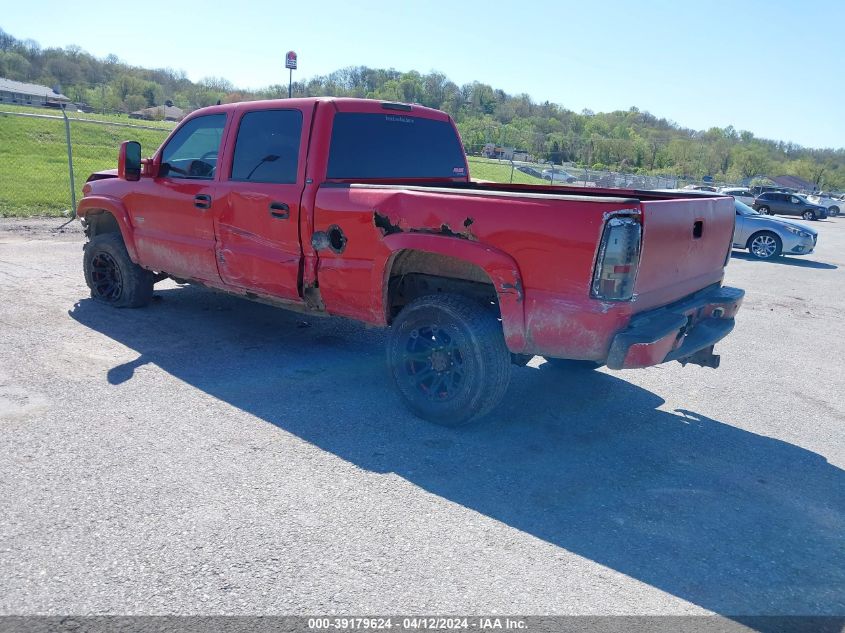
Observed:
{"x":365,"y":209}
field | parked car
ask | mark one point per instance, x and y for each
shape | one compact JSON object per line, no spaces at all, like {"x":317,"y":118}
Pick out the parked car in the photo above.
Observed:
{"x":772,"y":203}
{"x":827,"y":201}
{"x":709,"y":188}
{"x":766,"y":237}
{"x":742,"y":194}
{"x":558,"y":175}
{"x":525,"y":169}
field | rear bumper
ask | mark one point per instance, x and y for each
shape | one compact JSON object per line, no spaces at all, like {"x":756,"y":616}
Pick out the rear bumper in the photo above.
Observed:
{"x":684,"y":331}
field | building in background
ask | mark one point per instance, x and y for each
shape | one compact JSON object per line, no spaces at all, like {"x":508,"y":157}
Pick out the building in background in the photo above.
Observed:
{"x":166,"y":112}
{"x":793,"y":182}
{"x":21,"y":93}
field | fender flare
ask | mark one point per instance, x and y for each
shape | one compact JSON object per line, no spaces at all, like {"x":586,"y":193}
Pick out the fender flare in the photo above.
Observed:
{"x":93,"y":205}
{"x":498,"y":265}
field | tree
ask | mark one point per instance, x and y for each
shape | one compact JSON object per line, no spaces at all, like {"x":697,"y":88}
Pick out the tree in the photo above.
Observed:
{"x":135,"y":102}
{"x":750,"y":162}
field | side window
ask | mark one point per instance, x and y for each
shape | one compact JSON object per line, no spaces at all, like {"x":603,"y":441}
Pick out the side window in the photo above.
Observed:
{"x":267,"y":147}
{"x":192,"y":152}
{"x":794,"y":200}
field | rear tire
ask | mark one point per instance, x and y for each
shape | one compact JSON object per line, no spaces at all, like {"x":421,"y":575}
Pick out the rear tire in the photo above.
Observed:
{"x":448,"y":359}
{"x":112,"y":276}
{"x":765,"y":245}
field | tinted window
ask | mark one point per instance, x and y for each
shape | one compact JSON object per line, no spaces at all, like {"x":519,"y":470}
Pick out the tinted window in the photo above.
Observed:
{"x":267,"y":148}
{"x":394,"y":146}
{"x":192,"y":152}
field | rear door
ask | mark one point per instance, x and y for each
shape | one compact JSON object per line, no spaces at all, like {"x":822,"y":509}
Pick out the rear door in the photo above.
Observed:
{"x":258,"y":246}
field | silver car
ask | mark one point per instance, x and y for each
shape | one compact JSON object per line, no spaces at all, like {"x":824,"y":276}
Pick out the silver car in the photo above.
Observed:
{"x":767,"y":237}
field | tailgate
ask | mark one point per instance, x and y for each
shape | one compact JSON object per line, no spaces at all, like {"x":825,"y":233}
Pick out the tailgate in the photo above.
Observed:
{"x":685,"y":245}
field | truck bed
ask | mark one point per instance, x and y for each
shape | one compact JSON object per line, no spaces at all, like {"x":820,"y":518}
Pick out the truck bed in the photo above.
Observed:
{"x":553,"y":246}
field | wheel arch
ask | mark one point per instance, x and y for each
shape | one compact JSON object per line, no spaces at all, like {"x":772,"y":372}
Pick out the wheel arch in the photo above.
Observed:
{"x":102,"y":214}
{"x":463,"y":261}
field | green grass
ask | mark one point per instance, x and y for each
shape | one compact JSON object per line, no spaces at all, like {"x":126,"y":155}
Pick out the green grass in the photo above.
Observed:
{"x":488,"y":169}
{"x":88,"y":116}
{"x":34,"y":176}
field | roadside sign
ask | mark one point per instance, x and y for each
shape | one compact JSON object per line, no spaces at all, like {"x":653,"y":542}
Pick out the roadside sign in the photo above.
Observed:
{"x":290,"y":60}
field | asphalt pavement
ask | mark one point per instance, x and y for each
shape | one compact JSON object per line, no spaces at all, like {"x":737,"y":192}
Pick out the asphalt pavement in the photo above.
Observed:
{"x":210,"y":455}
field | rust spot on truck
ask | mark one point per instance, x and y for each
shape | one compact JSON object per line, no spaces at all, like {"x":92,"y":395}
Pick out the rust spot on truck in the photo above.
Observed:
{"x":383,"y":223}
{"x":515,"y":286}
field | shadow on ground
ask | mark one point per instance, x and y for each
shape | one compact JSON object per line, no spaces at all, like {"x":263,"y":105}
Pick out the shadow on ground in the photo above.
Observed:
{"x":729,"y":520}
{"x":785,"y":261}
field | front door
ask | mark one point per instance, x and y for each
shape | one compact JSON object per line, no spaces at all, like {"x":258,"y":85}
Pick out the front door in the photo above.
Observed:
{"x":258,"y":247}
{"x":172,"y":213}
{"x":796,"y":205}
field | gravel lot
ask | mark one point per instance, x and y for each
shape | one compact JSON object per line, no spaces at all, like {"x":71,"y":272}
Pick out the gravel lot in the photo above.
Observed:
{"x":210,"y":455}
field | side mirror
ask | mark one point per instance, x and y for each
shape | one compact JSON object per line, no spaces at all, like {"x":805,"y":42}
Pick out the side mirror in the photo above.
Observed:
{"x":129,"y":161}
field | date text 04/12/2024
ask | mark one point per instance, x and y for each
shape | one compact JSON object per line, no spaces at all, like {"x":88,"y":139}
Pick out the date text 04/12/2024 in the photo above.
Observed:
{"x":415,"y":623}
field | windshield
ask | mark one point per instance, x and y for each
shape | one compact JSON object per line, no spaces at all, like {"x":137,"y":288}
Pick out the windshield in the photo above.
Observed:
{"x":744,"y":209}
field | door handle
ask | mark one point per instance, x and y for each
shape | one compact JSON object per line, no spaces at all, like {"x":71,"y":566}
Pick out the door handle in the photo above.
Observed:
{"x":279,"y":210}
{"x":202,"y":201}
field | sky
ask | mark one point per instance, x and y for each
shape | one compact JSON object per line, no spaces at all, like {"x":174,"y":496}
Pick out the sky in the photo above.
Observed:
{"x":774,"y":68}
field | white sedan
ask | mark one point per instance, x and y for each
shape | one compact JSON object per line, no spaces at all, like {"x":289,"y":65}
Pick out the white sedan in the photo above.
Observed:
{"x":825,"y":200}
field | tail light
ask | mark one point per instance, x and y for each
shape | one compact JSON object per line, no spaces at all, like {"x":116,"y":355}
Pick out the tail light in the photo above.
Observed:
{"x":618,"y":259}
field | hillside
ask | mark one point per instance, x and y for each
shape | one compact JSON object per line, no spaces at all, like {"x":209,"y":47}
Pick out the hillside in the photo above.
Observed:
{"x":633,"y":141}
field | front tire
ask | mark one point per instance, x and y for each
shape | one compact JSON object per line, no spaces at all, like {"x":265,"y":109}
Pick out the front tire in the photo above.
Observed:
{"x":765,"y":245}
{"x":833,"y":211}
{"x":112,"y":276}
{"x":448,"y":359}
{"x":764,"y":210}
{"x":809,"y":215}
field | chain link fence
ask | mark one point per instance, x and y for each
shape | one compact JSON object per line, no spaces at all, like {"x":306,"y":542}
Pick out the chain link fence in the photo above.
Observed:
{"x":507,"y":165}
{"x":40,"y":148}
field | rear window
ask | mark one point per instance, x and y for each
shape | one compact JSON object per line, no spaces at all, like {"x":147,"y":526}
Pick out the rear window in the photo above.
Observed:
{"x":394,"y":146}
